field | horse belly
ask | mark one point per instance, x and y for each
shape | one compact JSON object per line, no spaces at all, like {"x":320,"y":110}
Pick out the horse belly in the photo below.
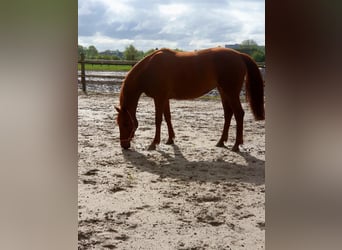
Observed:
{"x":192,"y":89}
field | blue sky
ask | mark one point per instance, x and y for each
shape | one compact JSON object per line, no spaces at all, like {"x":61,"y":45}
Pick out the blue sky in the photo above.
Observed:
{"x":187,"y":25}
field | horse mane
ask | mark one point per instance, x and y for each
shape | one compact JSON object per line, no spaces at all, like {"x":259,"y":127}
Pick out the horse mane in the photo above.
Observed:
{"x":137,"y":68}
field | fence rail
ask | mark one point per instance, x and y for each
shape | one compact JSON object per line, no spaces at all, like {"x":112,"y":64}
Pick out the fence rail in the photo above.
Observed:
{"x":105,"y":76}
{"x":108,"y":62}
{"x":84,"y":61}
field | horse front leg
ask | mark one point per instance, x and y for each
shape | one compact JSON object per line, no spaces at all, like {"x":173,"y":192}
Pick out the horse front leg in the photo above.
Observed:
{"x":167,"y":115}
{"x":159,"y":107}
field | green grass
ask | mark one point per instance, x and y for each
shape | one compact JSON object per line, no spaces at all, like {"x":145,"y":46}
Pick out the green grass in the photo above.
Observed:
{"x":96,"y":67}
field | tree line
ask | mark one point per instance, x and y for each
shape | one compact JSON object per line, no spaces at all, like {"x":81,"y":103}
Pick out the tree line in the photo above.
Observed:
{"x":131,"y":53}
{"x":251,"y":48}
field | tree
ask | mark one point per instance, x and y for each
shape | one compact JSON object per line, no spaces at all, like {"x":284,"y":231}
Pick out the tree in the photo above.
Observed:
{"x":249,"y":43}
{"x":80,"y":49}
{"x":109,"y":55}
{"x":131,"y":53}
{"x":258,"y":56}
{"x":92,"y":52}
{"x":251,"y":48}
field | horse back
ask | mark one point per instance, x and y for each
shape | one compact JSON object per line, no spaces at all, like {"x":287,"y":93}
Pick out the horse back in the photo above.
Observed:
{"x":184,"y":75}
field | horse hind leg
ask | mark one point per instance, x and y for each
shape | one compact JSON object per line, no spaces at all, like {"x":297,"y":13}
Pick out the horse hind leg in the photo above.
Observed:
{"x":230,"y":95}
{"x":238,"y":114}
{"x":167,"y":115}
{"x":228,"y":113}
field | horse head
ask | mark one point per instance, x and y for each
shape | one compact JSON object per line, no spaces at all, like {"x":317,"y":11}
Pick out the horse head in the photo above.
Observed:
{"x":127,"y":126}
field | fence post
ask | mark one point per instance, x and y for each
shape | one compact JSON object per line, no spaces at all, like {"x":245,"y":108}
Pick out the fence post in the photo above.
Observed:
{"x":83,"y":80}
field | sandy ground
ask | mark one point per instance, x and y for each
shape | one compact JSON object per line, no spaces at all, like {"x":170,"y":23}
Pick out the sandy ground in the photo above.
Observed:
{"x":191,"y":195}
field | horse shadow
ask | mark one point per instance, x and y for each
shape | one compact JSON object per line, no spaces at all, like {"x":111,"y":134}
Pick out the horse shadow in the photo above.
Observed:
{"x":176,"y":166}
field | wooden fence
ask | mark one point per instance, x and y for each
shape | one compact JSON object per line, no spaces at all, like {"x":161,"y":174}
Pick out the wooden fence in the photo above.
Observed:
{"x":83,"y":62}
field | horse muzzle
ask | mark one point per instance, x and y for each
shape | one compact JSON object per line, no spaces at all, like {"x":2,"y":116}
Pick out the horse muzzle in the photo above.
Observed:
{"x":125,"y":144}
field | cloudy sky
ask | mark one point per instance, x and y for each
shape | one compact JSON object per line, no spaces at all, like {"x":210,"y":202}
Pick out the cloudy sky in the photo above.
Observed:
{"x":187,"y":25}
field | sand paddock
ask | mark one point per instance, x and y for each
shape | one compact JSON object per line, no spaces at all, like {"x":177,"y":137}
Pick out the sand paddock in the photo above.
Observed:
{"x":191,"y":195}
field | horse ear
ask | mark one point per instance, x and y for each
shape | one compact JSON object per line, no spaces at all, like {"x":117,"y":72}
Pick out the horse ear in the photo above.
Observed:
{"x":117,"y":109}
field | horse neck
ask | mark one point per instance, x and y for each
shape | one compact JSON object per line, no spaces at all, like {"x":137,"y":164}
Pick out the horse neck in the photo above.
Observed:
{"x":129,"y":98}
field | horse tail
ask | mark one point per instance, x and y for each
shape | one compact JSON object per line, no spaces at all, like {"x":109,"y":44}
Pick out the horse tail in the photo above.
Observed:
{"x":254,"y":88}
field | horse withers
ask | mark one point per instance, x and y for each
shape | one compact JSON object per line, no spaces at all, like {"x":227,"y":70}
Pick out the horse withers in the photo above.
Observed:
{"x":166,"y":74}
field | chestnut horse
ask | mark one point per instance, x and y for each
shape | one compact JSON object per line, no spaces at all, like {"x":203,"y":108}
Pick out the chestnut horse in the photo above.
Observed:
{"x":166,"y":74}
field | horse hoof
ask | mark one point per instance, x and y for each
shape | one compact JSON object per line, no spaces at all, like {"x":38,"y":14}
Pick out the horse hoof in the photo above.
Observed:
{"x":152,"y":147}
{"x":169,"y":142}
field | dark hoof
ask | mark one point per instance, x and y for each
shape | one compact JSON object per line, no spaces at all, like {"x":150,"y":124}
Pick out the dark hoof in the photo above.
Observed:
{"x":236,"y":149}
{"x":152,"y":147}
{"x":220,"y":144}
{"x":169,"y":142}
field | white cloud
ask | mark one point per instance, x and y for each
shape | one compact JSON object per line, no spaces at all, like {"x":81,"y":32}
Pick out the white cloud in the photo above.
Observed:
{"x":172,"y":11}
{"x":202,"y":43}
{"x":188,"y":25}
{"x":104,"y":42}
